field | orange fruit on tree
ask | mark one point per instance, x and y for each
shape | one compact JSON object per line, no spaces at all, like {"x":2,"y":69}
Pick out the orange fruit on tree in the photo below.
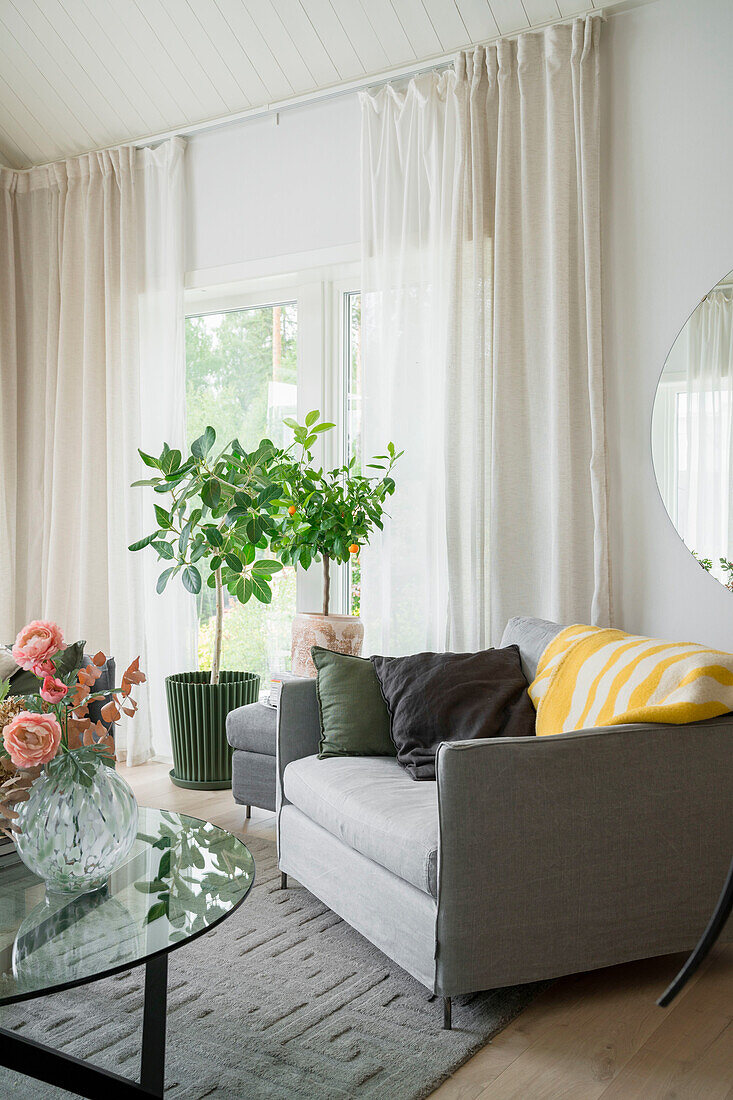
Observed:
{"x":291,"y":509}
{"x":354,"y":548}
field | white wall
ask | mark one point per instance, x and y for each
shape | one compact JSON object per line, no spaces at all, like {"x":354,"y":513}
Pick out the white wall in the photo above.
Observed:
{"x":261,"y":190}
{"x":258,"y":190}
{"x":668,"y":238}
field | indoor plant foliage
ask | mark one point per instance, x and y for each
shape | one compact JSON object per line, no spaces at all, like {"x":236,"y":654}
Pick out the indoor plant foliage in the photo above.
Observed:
{"x":228,"y":508}
{"x":219,"y":511}
{"x":326,"y":515}
{"x":215,"y":508}
{"x":58,"y":763}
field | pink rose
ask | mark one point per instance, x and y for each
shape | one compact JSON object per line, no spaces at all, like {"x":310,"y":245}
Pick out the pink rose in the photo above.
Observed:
{"x":53,"y":690}
{"x":35,"y":646}
{"x":32,"y":739}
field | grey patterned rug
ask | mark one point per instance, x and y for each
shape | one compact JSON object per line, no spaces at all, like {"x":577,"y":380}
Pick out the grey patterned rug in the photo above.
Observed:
{"x":282,"y":1001}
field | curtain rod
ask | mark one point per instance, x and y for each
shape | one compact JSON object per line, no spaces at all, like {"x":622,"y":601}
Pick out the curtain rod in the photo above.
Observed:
{"x":441,"y":61}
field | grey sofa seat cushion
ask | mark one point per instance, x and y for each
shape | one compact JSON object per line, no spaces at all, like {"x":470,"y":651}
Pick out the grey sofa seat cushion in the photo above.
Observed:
{"x":253,"y":728}
{"x":532,"y":636}
{"x":373,"y":806}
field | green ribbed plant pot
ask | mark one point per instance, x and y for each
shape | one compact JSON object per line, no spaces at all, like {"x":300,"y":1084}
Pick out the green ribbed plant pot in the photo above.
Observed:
{"x":197,"y":710}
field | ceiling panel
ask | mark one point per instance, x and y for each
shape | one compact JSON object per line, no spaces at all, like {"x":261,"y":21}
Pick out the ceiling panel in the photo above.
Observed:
{"x":77,"y":75}
{"x":510,"y":15}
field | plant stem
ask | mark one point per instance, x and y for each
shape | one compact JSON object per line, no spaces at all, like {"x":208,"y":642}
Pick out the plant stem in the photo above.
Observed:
{"x":326,"y":582}
{"x":216,"y":659}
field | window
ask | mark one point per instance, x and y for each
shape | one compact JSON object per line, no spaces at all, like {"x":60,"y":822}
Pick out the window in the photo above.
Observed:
{"x":353,"y":432}
{"x":241,"y":378}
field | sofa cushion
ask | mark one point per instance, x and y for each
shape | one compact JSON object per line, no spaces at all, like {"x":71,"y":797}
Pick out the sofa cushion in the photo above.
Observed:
{"x":372,"y":804}
{"x":438,"y":697}
{"x":532,"y":636}
{"x":253,"y":728}
{"x":354,"y":716}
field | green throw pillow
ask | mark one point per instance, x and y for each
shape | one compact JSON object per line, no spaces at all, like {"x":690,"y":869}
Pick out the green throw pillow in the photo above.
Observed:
{"x":354,"y":716}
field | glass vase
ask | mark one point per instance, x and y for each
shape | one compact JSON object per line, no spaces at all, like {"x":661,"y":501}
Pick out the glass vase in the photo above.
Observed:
{"x":73,"y":834}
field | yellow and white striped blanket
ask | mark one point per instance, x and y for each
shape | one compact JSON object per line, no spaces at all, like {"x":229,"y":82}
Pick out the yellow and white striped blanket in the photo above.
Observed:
{"x":589,"y":676}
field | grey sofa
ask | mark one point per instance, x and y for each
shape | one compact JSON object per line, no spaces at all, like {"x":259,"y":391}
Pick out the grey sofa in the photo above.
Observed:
{"x":528,"y":858}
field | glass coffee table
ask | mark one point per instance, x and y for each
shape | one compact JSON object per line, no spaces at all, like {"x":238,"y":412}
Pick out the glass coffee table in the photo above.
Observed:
{"x":182,"y":877}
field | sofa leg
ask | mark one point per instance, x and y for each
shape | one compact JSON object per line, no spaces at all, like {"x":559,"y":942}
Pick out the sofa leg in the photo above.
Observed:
{"x":446,"y":1014}
{"x":283,"y":880}
{"x":247,"y":811}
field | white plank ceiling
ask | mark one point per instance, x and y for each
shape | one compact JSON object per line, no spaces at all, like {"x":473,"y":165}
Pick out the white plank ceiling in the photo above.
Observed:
{"x":77,"y":75}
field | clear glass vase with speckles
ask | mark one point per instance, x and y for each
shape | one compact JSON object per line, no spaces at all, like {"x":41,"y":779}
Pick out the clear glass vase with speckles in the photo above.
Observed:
{"x":74,"y":834}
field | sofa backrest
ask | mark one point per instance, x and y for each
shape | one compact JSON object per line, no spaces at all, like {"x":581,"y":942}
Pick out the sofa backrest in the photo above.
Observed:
{"x":532,"y":636}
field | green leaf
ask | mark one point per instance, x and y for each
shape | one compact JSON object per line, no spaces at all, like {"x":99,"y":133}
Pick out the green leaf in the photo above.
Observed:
{"x":199,"y":550}
{"x":234,"y":562}
{"x":261,"y":590}
{"x":164,"y":868}
{"x":214,"y":536}
{"x":183,"y":538}
{"x":163,"y":517}
{"x":311,"y":417}
{"x":192,"y":579}
{"x":266,"y":568}
{"x":325,"y":427}
{"x":291,"y":423}
{"x":201,"y":446}
{"x":70,"y":659}
{"x":171,"y":462}
{"x":155,"y":911}
{"x":149,"y":460}
{"x":163,"y":580}
{"x":165,"y":550}
{"x":211,"y":493}
{"x":153,"y":887}
{"x":142,"y":543}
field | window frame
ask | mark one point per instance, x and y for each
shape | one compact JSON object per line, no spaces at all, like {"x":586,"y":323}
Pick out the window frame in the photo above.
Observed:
{"x":321,"y":299}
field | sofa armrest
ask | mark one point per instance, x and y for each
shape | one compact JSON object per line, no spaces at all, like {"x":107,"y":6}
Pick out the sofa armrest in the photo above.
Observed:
{"x":298,"y":725}
{"x":579,"y":850}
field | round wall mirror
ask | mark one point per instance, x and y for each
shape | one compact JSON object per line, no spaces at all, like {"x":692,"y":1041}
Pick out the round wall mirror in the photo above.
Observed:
{"x":692,"y":433}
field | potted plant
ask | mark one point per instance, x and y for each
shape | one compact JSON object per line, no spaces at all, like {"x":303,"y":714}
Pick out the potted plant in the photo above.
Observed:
{"x":326,"y":516}
{"x":218,"y":512}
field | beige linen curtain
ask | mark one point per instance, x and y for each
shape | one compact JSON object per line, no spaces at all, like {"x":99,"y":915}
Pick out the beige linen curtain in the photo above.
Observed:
{"x":482,"y":343}
{"x":86,"y":247}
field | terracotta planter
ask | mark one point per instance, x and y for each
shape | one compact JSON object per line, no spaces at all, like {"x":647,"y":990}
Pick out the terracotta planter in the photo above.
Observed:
{"x":342,"y":633}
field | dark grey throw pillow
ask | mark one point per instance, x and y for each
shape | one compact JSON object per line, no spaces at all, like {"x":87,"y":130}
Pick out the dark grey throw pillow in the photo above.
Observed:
{"x":434,"y":697}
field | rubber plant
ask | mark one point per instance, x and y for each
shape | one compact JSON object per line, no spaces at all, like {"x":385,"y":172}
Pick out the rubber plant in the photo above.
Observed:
{"x":326,"y":514}
{"x":216,"y":507}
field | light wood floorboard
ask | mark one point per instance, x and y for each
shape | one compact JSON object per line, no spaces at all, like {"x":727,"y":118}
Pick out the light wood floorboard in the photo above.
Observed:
{"x":595,"y":1036}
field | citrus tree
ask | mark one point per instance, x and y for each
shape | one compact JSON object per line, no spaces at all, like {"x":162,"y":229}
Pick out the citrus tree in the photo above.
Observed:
{"x":326,"y":515}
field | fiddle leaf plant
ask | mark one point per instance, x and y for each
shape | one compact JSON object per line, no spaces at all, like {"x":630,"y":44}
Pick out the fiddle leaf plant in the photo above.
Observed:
{"x":327,"y":515}
{"x":215,"y":508}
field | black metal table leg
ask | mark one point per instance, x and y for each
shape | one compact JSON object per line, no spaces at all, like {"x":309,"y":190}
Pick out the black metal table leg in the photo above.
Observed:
{"x":715,"y":926}
{"x":42,"y":1062}
{"x":152,"y":1060}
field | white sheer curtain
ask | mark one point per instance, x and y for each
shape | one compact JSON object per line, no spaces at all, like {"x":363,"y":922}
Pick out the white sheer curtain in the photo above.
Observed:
{"x":482,"y":343}
{"x":92,"y":367}
{"x":705,"y":439}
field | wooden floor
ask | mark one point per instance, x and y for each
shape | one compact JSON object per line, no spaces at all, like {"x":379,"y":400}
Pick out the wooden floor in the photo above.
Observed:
{"x":589,"y":1036}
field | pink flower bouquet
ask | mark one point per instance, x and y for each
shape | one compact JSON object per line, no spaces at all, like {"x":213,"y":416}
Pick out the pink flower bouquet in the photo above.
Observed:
{"x":54,"y":729}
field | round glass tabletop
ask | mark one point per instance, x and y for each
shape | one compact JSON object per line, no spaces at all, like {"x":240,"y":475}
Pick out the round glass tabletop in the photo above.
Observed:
{"x":181,"y":878}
